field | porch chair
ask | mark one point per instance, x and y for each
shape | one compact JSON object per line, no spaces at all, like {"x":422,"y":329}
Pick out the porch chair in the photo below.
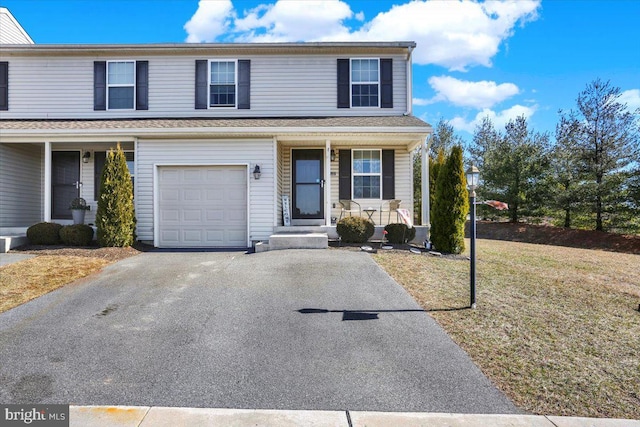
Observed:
{"x":391,"y":206}
{"x":349,"y":206}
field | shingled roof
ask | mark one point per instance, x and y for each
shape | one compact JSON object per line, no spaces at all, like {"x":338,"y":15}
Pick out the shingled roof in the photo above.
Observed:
{"x":399,"y":122}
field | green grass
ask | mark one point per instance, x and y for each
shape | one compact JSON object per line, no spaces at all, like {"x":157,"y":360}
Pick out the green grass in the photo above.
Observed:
{"x":556,"y":329}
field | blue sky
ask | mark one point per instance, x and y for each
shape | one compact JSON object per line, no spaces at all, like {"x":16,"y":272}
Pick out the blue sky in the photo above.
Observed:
{"x":499,"y":58}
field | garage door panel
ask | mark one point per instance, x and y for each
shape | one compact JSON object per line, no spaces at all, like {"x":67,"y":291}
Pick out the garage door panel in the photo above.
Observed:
{"x":170,"y":215}
{"x":203,"y":206}
{"x":192,"y":194}
{"x":192,"y":215}
{"x":169,"y":194}
{"x":215,"y":195}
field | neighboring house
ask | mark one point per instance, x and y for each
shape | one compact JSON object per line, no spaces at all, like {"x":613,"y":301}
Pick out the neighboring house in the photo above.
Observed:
{"x":321,"y":122}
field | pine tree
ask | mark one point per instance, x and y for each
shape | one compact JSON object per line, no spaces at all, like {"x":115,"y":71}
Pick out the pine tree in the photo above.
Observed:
{"x":451,"y":205}
{"x":435,"y":165}
{"x":115,"y":218}
{"x":608,"y":140}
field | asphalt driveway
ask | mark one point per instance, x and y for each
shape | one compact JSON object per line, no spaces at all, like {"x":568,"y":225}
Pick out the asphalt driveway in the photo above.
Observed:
{"x":315,"y":329}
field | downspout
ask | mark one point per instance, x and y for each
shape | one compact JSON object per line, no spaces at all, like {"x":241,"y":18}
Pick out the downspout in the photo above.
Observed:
{"x":409,"y":83}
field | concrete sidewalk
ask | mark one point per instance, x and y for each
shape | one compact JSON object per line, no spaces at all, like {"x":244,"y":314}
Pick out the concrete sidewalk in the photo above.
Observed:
{"x":147,"y":416}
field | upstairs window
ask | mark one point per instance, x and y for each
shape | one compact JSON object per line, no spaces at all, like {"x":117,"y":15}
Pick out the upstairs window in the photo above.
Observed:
{"x":121,"y":82}
{"x":222,"y":84}
{"x":365,"y":82}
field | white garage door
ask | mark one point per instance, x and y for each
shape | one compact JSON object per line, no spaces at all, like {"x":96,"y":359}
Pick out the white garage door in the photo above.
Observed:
{"x":202,"y":206}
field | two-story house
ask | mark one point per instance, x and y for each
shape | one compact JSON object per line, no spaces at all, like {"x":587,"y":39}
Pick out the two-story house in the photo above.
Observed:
{"x":215,"y":134}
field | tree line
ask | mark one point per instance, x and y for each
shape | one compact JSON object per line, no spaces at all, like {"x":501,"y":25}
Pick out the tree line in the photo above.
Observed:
{"x":586,"y":175}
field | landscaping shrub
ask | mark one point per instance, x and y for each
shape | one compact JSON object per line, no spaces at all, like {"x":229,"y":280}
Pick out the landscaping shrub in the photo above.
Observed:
{"x":398,"y":233}
{"x":451,"y":205}
{"x":44,"y":233}
{"x":354,"y":229}
{"x":76,"y":235}
{"x":115,"y":218}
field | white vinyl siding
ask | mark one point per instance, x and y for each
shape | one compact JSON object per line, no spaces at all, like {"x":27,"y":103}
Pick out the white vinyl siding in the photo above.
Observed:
{"x":155,"y":153}
{"x":10,"y":30}
{"x":300,"y":85}
{"x":20,"y":184}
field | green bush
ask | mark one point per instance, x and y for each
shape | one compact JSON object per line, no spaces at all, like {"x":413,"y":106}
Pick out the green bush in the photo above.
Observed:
{"x":76,"y":235}
{"x":44,"y":233}
{"x":115,"y":217}
{"x":354,"y":229}
{"x":399,"y":233}
{"x":451,"y":205}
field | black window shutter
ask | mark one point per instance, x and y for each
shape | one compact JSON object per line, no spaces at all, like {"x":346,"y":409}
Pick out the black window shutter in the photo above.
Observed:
{"x":4,"y":86}
{"x":244,"y":84}
{"x":142,"y":85}
{"x":201,"y":83}
{"x":388,"y":172}
{"x":100,"y":85}
{"x":386,"y":83}
{"x":343,"y":84}
{"x":99,"y":159}
{"x":344,"y":172}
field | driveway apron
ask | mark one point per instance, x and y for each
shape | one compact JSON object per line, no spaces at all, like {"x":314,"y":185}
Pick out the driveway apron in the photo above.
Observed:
{"x":303,"y":329}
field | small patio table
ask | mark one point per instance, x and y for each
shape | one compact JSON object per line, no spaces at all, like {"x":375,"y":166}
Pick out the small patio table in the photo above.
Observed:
{"x":370,"y":212}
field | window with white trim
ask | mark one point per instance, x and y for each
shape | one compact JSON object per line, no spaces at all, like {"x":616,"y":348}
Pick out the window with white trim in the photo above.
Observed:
{"x":365,"y":82}
{"x":222,"y":83}
{"x":121,"y":83}
{"x":366,"y":173}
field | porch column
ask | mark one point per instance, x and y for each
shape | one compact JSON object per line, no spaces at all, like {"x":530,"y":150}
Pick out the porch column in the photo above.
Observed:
{"x":426,"y":218}
{"x":327,"y":182}
{"x":47,"y":181}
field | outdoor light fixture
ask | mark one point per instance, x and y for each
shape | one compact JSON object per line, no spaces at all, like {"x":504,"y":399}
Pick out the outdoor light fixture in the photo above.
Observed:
{"x":256,"y":172}
{"x":473,"y":176}
{"x":333,"y":155}
{"x":86,"y":157}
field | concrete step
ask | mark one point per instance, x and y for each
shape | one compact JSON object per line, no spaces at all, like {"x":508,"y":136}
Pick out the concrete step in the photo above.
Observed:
{"x":10,"y":242}
{"x":298,"y":241}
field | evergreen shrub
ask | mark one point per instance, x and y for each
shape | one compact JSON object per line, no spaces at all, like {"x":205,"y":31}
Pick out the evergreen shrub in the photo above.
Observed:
{"x":353,"y":229}
{"x":44,"y":233}
{"x":115,"y":217}
{"x":76,"y":235}
{"x":398,"y":233}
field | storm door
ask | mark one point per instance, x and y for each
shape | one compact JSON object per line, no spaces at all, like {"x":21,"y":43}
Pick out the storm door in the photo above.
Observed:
{"x":308,"y":184}
{"x":65,"y":182}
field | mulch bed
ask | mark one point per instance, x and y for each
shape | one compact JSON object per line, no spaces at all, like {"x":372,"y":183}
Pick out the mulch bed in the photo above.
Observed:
{"x":110,"y":254}
{"x":558,"y":236}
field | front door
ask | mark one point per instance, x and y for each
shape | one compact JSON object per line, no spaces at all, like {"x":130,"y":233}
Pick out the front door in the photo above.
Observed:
{"x":65,"y":182}
{"x":308,"y":184}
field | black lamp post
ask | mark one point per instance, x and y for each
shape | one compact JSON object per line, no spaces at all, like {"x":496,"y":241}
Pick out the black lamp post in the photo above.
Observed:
{"x":473,"y":175}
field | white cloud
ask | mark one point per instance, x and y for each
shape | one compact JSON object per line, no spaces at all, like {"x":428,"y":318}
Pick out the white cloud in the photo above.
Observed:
{"x":499,"y":119}
{"x":287,"y":21}
{"x":482,"y":94}
{"x":631,"y":98}
{"x":453,"y":34}
{"x":211,"y":20}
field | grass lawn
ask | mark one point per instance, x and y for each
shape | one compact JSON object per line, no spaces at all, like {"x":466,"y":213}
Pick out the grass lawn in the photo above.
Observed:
{"x":31,"y":278}
{"x":556,"y":329}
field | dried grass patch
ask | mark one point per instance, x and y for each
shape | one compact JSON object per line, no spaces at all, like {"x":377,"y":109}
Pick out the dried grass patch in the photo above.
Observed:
{"x":556,"y":328}
{"x":25,"y":280}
